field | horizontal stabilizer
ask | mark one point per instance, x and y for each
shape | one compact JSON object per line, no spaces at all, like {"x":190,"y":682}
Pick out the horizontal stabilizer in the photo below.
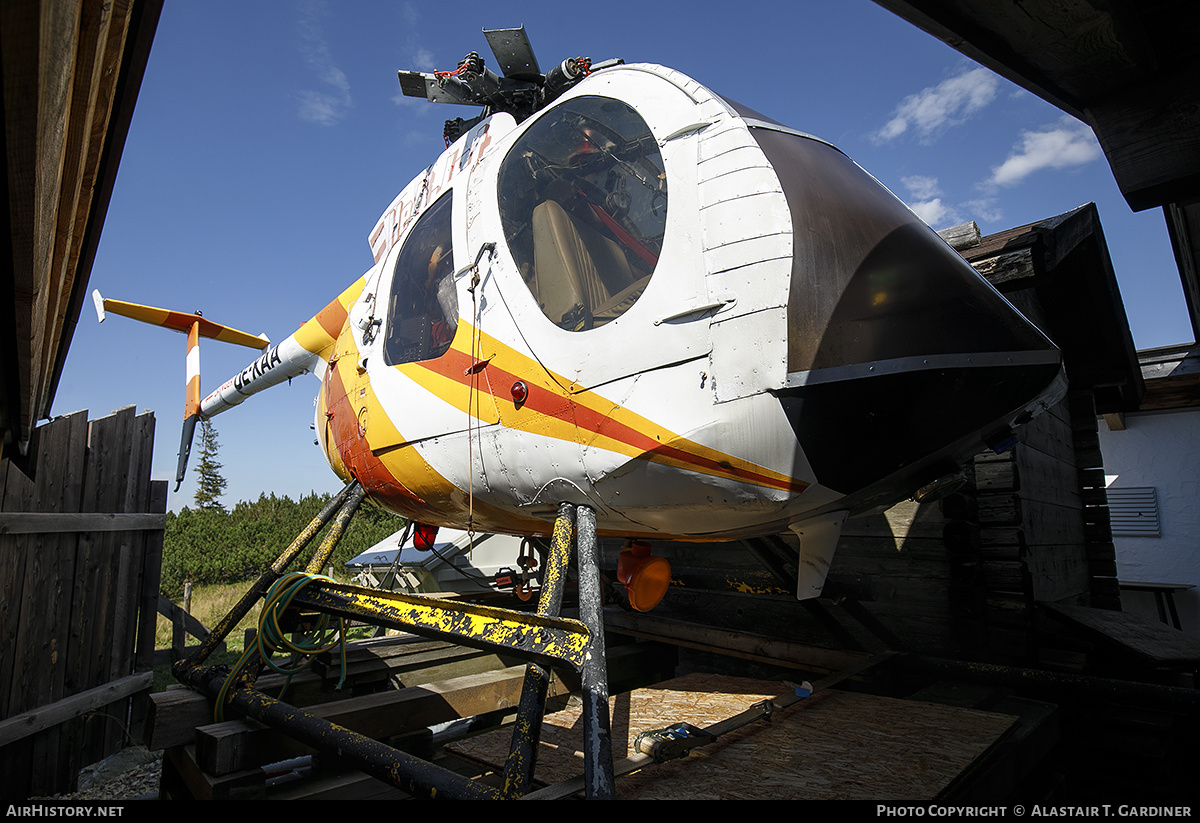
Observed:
{"x":178,"y":321}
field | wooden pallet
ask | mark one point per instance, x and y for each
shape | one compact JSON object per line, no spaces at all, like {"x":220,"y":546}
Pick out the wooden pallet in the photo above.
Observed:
{"x":833,"y":745}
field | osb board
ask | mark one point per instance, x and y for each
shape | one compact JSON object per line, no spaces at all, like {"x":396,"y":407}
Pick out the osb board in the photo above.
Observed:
{"x":832,"y":746}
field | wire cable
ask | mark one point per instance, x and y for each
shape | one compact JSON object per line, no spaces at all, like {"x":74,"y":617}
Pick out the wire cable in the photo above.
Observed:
{"x":272,"y":638}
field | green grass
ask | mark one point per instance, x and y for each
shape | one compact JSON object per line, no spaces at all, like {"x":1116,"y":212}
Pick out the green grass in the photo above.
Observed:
{"x":209,"y":605}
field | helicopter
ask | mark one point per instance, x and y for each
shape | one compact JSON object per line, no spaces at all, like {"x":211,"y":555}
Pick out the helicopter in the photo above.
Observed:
{"x":617,"y":288}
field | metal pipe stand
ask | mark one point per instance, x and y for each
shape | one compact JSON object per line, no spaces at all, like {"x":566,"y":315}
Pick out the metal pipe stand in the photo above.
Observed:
{"x":544,"y":638}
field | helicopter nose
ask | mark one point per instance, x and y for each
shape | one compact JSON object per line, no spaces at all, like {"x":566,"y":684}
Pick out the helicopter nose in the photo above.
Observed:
{"x":894,"y":342}
{"x":918,"y":358}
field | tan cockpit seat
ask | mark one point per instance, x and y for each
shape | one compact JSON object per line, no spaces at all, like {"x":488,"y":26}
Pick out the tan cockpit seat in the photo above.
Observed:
{"x":577,"y":270}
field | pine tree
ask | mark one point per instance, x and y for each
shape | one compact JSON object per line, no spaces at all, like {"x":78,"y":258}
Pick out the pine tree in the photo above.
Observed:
{"x":211,"y":484}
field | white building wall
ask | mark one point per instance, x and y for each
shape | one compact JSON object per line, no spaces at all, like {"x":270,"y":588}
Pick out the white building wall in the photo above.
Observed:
{"x":1160,"y":449}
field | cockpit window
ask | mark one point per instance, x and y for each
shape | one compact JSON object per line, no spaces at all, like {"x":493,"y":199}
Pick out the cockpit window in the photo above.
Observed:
{"x":423,"y":305}
{"x":583,"y":201}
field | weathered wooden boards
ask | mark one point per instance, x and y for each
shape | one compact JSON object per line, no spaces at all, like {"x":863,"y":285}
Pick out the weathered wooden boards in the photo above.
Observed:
{"x":1151,"y":642}
{"x":77,"y":608}
{"x":71,"y":74}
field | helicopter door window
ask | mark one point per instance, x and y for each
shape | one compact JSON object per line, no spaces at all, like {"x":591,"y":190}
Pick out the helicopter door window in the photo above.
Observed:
{"x":423,"y":305}
{"x":583,"y":201}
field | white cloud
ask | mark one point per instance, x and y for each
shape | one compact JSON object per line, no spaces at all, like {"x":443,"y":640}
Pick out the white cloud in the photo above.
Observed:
{"x":921,"y":186}
{"x":1070,"y":143}
{"x":934,"y":212}
{"x":926,"y":201}
{"x":983,"y":210}
{"x":333,"y":102}
{"x":413,"y":57}
{"x":948,"y":103}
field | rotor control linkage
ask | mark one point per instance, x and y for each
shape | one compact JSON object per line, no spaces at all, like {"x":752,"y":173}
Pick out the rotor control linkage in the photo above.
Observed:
{"x":521,"y":89}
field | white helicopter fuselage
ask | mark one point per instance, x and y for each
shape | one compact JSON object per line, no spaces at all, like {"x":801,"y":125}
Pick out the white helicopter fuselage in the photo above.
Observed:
{"x":644,"y":298}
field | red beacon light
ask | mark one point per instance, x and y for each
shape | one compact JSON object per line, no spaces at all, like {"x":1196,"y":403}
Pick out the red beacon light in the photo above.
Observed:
{"x":644,"y":576}
{"x":520,"y":392}
{"x":423,"y":536}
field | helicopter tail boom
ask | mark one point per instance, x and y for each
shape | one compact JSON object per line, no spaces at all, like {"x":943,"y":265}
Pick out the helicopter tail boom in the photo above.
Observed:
{"x":299,"y":353}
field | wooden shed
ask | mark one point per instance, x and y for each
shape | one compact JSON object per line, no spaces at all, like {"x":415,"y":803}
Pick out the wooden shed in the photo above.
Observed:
{"x":80,"y":521}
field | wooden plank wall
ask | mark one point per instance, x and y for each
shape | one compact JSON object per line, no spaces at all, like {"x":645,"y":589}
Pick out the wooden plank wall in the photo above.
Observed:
{"x":77,"y":608}
{"x":962,"y":576}
{"x":1032,"y":525}
{"x":71,"y":71}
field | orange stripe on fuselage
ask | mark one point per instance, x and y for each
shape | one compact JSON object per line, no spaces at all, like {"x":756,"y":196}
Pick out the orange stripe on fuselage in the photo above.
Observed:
{"x":352,"y":449}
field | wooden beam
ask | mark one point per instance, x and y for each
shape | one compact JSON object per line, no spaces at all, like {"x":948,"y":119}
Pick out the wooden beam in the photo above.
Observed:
{"x":59,"y":522}
{"x":986,"y":36}
{"x":962,"y":237}
{"x":735,"y":644}
{"x":1005,"y":267}
{"x":36,"y":720}
{"x":1183,"y":227}
{"x":1174,"y":392}
{"x":70,"y":73}
{"x":20,"y":42}
{"x":194,"y":627}
{"x":1150,"y":133}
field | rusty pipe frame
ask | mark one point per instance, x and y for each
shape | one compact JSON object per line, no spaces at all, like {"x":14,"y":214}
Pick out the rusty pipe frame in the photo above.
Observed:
{"x":527,"y":730}
{"x":597,"y":736}
{"x":397,"y":768}
{"x":336,"y":530}
{"x":544,"y":636}
{"x":249,"y":666}
{"x":548,"y":640}
{"x":268,"y":578}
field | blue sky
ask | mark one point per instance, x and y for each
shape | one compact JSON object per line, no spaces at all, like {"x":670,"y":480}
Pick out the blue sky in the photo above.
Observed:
{"x":269,"y":136}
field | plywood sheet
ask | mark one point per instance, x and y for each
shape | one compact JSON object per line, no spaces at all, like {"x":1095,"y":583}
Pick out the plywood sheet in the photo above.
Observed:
{"x":834,"y":745}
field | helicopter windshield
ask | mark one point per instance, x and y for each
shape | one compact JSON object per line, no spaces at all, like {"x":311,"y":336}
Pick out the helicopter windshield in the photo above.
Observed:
{"x":583,"y":201}
{"x":423,"y":305}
